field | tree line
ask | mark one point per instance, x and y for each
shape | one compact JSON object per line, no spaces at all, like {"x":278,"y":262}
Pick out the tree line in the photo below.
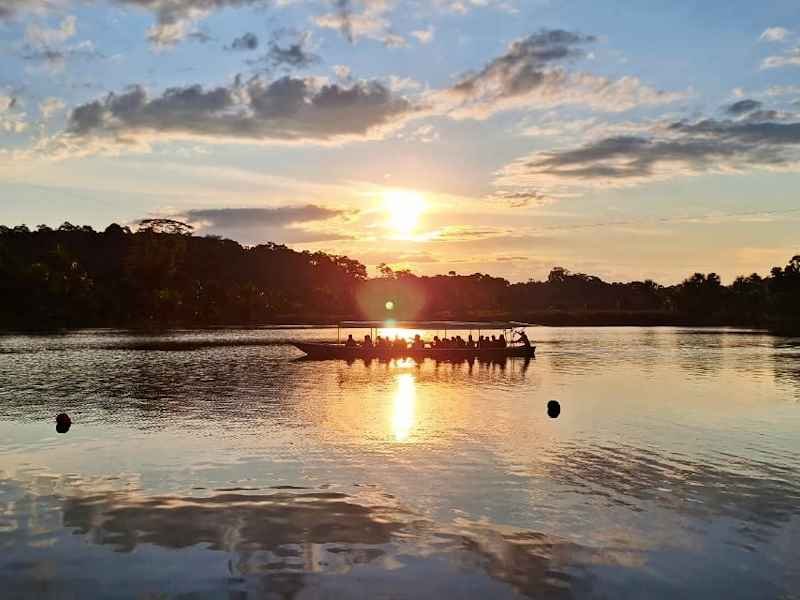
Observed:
{"x":162,"y":275}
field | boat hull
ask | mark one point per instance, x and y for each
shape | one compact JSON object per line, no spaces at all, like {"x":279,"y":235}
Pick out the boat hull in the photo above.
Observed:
{"x":323,"y":350}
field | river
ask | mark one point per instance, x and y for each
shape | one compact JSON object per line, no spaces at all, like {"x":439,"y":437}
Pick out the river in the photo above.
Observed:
{"x":216,"y":464}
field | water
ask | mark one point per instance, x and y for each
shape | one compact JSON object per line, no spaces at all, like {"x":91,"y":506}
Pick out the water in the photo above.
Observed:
{"x":214,"y":464}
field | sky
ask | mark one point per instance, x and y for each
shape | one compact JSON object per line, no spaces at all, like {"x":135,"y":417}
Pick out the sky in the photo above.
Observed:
{"x":629,"y":140}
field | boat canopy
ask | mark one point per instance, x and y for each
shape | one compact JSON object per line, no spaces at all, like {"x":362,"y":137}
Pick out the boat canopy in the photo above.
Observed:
{"x":432,"y":325}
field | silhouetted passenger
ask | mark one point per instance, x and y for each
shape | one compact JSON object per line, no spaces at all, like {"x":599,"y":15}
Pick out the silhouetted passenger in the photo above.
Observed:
{"x":436,"y":342}
{"x":524,"y":339}
{"x":350,"y":343}
{"x":470,"y":341}
{"x":367,"y":341}
{"x":502,"y":341}
{"x":418,"y":343}
{"x":494,"y":342}
{"x":399,"y":343}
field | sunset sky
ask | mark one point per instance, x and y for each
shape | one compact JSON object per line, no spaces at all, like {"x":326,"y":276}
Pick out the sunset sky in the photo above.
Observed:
{"x":628,"y":140}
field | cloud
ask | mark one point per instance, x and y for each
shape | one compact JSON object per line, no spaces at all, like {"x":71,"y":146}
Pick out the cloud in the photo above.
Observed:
{"x":672,"y":149}
{"x":424,"y":36}
{"x":462,"y":7}
{"x":531,"y":74}
{"x":342,"y":72}
{"x":743,"y":107}
{"x":296,"y":55}
{"x":774,"y":34}
{"x":50,"y":106}
{"x":520,"y":198}
{"x":283,"y":110}
{"x":10,"y":8}
{"x":7,"y":103}
{"x":199,"y":36}
{"x":11,"y":119}
{"x":55,"y":58}
{"x":783,"y":90}
{"x":283,"y":224}
{"x":39,"y":36}
{"x":247,"y":41}
{"x":788,"y":59}
{"x":425,"y":134}
{"x":521,"y":68}
{"x":471,"y":233}
{"x":174,"y":18}
{"x":47,"y":45}
{"x":356,"y":19}
{"x":249,"y":218}
{"x":394,"y":40}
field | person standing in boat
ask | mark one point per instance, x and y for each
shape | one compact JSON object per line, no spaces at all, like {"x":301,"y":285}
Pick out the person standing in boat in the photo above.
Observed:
{"x":524,"y":338}
{"x":418,"y":343}
{"x":350,"y":343}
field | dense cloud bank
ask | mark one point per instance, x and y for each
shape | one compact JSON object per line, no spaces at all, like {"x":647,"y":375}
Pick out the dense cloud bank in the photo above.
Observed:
{"x":286,"y":109}
{"x":755,"y":139}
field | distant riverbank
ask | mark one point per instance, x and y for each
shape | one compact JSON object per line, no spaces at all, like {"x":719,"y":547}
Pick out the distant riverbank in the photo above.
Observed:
{"x":539,"y":318}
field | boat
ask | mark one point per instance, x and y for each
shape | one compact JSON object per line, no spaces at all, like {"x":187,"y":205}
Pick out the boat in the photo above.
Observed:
{"x":338,"y":350}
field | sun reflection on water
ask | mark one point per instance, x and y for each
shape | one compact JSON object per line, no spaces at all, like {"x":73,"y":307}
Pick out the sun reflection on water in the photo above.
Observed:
{"x":403,"y":411}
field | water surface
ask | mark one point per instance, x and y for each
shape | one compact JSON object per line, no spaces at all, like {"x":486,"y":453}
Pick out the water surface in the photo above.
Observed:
{"x":215,"y":464}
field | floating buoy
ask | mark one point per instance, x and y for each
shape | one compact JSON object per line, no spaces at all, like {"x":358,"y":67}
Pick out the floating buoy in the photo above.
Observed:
{"x":63,"y":423}
{"x":553,"y":409}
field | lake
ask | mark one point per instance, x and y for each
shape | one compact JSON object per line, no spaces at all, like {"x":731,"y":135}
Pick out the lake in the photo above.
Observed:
{"x":215,"y":464}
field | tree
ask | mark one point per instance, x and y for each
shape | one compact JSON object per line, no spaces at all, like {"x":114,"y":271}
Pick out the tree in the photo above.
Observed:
{"x":169,"y":226}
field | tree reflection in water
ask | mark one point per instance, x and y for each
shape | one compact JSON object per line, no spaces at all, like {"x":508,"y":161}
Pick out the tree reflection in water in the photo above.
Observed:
{"x":283,"y":543}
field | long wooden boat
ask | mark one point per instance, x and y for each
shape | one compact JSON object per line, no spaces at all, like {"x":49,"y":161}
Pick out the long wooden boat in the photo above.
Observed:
{"x":338,"y":350}
{"x":331,"y":350}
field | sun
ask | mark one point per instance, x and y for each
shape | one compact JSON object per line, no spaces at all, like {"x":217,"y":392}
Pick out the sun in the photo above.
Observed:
{"x":404,"y":209}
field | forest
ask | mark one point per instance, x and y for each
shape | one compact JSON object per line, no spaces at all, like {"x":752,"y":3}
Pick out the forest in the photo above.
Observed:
{"x":161,"y":275}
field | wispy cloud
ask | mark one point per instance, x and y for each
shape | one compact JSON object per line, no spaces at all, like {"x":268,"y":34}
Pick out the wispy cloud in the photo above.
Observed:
{"x":790,"y":58}
{"x":294,"y":54}
{"x":50,"y":106}
{"x":531,"y":74}
{"x":424,"y":36}
{"x":12,"y":118}
{"x":39,"y":36}
{"x":285,"y":224}
{"x":247,"y":218}
{"x":357,"y":19}
{"x":774,"y":34}
{"x":247,"y":41}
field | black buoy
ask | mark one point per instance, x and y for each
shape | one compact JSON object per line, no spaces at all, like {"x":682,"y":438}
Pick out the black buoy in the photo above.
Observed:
{"x":553,"y":409}
{"x":63,"y":423}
